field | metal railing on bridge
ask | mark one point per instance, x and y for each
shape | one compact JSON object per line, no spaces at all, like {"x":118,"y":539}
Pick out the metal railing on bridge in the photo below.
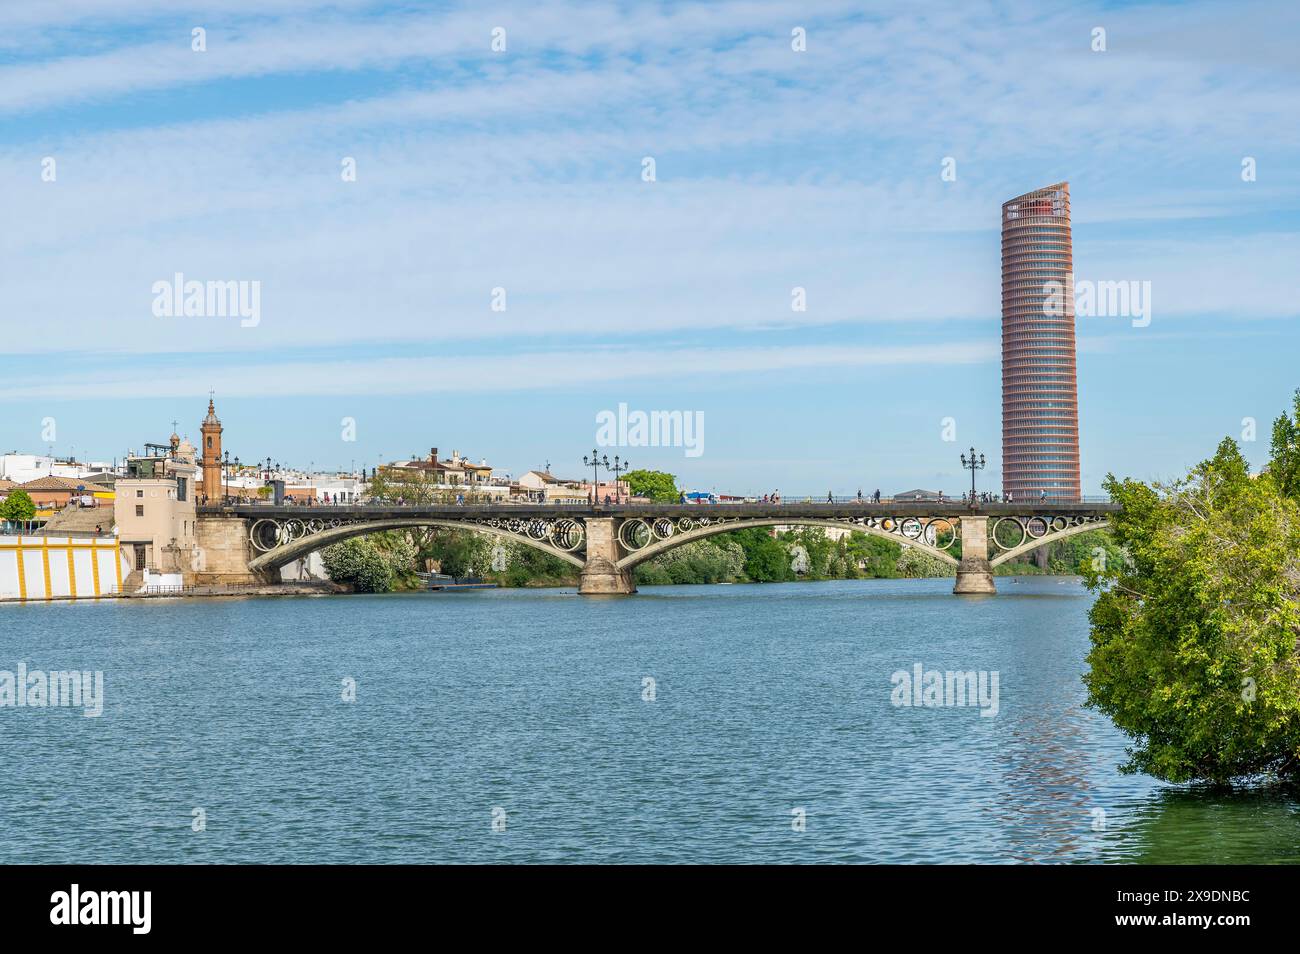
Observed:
{"x":568,"y":504}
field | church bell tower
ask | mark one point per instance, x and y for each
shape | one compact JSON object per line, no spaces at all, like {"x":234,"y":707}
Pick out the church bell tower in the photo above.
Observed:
{"x":211,"y":429}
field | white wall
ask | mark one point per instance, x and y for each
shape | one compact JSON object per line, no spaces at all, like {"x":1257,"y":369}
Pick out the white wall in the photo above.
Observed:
{"x":39,"y":567}
{"x":310,"y":567}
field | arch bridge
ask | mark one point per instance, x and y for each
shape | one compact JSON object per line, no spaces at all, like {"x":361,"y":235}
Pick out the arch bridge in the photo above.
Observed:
{"x":245,"y":542}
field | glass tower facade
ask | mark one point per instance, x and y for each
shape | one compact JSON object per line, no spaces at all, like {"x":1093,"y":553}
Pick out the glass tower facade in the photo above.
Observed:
{"x":1040,"y":396}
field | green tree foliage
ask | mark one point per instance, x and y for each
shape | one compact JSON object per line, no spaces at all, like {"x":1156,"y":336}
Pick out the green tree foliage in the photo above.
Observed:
{"x":463,"y":553}
{"x":766,"y":560}
{"x":378,"y":563}
{"x":1077,"y":554}
{"x":399,"y":552}
{"x":1285,"y":465}
{"x":871,"y":556}
{"x":391,"y":484}
{"x":914,"y":563}
{"x":654,"y":484}
{"x":712,"y":560}
{"x":359,"y":564}
{"x":820,"y":550}
{"x":17,"y":506}
{"x":1194,"y":636}
{"x":528,"y":566}
{"x":460,"y":553}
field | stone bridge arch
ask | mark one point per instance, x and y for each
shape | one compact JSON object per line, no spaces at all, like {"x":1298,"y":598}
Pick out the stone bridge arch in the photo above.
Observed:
{"x":1031,"y":543}
{"x":725,"y":525}
{"x":271,"y":560}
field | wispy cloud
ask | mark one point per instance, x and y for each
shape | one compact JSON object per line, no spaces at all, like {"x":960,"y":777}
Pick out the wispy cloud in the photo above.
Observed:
{"x":475,"y":374}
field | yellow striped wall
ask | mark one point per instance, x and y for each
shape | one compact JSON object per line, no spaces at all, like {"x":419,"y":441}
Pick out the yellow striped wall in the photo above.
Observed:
{"x":42,"y":568}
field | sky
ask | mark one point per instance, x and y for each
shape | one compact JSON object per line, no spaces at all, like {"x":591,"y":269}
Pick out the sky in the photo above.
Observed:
{"x":501,"y":268}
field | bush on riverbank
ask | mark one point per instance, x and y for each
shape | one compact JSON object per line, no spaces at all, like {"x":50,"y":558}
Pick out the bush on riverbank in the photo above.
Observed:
{"x":356,"y":563}
{"x":379,"y":563}
{"x":1194,"y":634}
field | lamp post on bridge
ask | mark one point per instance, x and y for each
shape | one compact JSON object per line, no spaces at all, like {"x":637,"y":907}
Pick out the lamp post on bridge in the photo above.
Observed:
{"x":595,"y":464}
{"x":616,"y":470}
{"x":972,"y":465}
{"x":225,"y":467}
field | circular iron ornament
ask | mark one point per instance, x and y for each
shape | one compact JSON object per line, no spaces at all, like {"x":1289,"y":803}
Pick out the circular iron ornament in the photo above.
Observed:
{"x":1020,"y":528}
{"x":634,"y":534}
{"x":1037,"y":527}
{"x":295,"y":529}
{"x":1059,"y":523}
{"x":567,"y":534}
{"x":685,"y":524}
{"x":315,"y":526}
{"x":911,"y":528}
{"x":537,"y":529}
{"x":663,"y":528}
{"x":265,"y":535}
{"x":938,"y":526}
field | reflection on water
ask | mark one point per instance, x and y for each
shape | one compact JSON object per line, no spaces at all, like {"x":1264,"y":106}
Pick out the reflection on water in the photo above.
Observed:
{"x":768,"y":699}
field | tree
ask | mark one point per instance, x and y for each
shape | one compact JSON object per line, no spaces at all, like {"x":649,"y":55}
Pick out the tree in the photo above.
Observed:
{"x":463,"y":553}
{"x":766,"y":560}
{"x":358,"y":563}
{"x":811,"y":552}
{"x":1075,"y":554}
{"x":1285,"y":465}
{"x":879,"y":557}
{"x":655,"y":484}
{"x":915,"y":564}
{"x":528,"y":565}
{"x":17,"y":506}
{"x":1194,"y":632}
{"x":713,"y":560}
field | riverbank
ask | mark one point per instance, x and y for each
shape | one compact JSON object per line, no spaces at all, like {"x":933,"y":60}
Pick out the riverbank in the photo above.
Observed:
{"x":328,"y":588}
{"x":304,"y":588}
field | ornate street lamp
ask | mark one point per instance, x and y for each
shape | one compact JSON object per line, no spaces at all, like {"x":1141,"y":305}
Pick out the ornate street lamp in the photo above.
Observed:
{"x":617,"y":469}
{"x":595,"y":464}
{"x":972,"y":465}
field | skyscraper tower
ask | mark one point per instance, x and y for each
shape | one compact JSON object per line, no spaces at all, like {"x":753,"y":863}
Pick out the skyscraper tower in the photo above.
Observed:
{"x":1040,"y":395}
{"x":211,"y":429}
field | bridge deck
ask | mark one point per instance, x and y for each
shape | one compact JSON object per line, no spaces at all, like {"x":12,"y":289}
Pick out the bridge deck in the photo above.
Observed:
{"x":824,"y":511}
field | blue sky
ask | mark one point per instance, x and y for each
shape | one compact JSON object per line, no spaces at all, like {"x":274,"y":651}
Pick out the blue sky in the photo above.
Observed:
{"x":522,"y":169}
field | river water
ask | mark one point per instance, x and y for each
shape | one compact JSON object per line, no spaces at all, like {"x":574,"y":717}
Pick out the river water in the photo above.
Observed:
{"x":520,"y":725}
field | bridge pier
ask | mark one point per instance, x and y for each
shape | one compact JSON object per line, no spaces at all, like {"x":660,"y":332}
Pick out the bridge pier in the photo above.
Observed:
{"x":223,"y":553}
{"x":601,"y":573}
{"x":974,"y":574}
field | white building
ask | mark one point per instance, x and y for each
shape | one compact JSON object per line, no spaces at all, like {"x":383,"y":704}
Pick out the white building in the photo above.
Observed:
{"x":20,"y":468}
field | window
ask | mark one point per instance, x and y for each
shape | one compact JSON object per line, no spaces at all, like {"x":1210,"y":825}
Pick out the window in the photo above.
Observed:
{"x":139,"y":493}
{"x":139,"y":510}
